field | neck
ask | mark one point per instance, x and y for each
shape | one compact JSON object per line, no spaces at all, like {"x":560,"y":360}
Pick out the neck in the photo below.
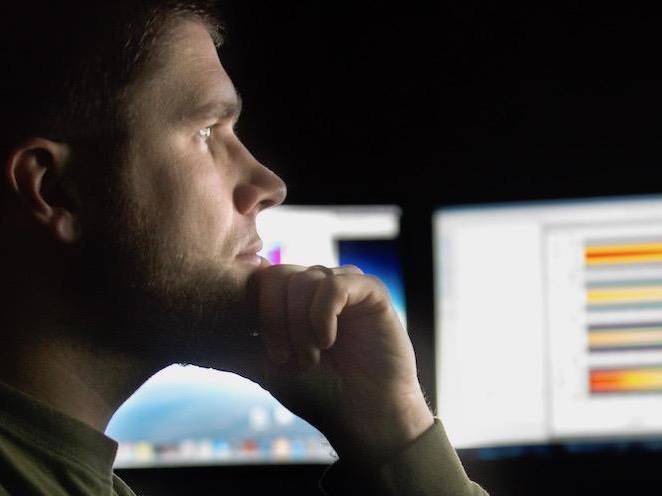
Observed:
{"x":50,"y":338}
{"x":72,"y":378}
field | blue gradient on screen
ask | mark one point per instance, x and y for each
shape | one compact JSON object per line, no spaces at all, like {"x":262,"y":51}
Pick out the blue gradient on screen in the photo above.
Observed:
{"x":380,"y":258}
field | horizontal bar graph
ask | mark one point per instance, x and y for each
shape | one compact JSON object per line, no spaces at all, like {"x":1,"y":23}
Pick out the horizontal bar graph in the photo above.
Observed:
{"x":623,"y":302}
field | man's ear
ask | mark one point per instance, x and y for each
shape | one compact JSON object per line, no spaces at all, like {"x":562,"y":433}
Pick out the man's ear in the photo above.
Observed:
{"x":36,"y":172}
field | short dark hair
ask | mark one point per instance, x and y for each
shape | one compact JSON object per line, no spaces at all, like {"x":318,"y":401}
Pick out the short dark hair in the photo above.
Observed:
{"x":65,"y":65}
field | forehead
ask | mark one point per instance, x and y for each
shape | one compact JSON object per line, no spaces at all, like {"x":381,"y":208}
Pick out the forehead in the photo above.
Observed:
{"x":188,"y":71}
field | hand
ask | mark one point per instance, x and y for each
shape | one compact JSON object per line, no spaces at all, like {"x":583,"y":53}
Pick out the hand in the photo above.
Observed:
{"x":340,"y":358}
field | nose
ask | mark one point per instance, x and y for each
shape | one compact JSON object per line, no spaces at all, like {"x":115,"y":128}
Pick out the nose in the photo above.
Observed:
{"x":262,"y":188}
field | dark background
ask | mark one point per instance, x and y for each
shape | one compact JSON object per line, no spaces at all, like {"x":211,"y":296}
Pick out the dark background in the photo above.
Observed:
{"x":429,"y":104}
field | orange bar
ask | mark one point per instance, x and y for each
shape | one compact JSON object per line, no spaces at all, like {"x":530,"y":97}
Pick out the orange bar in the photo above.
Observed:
{"x":625,"y":253}
{"x":623,"y":249}
{"x":624,"y":380}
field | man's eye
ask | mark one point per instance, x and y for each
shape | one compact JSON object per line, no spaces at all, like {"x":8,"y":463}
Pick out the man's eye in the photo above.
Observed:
{"x":205,"y":133}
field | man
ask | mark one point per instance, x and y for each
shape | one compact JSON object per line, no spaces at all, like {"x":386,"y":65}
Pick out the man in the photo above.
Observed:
{"x":129,"y":243}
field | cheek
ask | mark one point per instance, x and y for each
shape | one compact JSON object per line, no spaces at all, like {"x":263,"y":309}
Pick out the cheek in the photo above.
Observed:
{"x":210,"y":211}
{"x":188,"y":199}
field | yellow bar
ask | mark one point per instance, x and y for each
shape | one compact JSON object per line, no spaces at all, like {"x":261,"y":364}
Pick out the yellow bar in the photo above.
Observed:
{"x":613,"y":295}
{"x":596,"y":250}
{"x":644,"y":379}
{"x":626,"y":380}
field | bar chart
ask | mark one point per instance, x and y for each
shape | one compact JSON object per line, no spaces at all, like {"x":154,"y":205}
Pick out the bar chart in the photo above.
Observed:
{"x":624,"y":310}
{"x":604,"y":325}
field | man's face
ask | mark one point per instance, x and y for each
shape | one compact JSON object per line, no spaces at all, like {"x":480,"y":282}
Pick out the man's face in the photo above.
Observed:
{"x":180,"y":244}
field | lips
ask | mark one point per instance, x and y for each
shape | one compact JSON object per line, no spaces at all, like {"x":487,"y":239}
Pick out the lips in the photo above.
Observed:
{"x":252,"y":249}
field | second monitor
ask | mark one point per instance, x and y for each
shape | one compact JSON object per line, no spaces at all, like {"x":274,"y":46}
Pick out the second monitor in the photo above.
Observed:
{"x":549,"y":322}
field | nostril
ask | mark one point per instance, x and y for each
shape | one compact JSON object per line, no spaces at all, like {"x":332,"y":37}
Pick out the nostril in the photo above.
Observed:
{"x":277,"y":198}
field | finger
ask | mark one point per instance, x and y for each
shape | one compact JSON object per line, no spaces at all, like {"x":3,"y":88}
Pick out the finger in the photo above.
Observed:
{"x":348,"y":269}
{"x":301,"y":289}
{"x":324,"y":335}
{"x":334,"y":271}
{"x":272,"y":285}
{"x":344,"y":294}
{"x":271,"y":288}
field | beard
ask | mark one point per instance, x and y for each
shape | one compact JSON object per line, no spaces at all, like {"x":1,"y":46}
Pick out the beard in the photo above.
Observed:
{"x":148,"y":297}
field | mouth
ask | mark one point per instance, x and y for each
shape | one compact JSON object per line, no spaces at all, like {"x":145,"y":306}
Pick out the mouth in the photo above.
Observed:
{"x":249,"y":254}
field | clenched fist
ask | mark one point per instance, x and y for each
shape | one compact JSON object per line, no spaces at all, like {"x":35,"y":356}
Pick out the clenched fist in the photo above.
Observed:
{"x":339,"y":357}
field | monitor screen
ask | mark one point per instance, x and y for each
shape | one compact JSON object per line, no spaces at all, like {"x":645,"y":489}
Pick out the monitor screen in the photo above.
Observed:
{"x":195,"y":416}
{"x":549,"y":324}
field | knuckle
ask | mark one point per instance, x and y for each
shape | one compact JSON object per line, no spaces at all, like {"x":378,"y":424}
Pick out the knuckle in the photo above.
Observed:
{"x":319,"y":270}
{"x":377,"y":283}
{"x":302,"y":278}
{"x":352,"y":268}
{"x":333,"y":284}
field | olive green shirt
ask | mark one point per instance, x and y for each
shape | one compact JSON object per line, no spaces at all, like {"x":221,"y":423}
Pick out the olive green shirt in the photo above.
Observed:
{"x":44,"y":452}
{"x":429,"y":466}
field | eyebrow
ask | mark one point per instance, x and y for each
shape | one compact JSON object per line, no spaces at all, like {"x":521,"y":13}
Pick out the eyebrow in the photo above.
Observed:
{"x":218,"y":107}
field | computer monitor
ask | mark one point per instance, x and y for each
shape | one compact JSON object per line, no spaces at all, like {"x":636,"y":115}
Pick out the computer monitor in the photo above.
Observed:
{"x":195,"y":416}
{"x":549,"y":325}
